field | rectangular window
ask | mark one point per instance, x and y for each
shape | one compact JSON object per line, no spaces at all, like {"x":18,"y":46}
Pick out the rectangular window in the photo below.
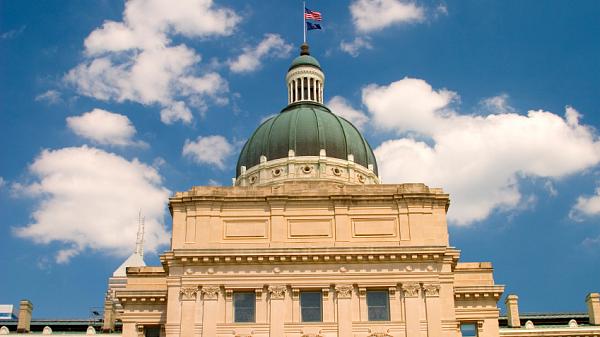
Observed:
{"x":244,"y":307}
{"x":311,"y":306}
{"x":468,"y":329}
{"x":378,"y":304}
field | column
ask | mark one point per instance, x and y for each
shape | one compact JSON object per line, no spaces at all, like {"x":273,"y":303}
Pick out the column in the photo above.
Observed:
{"x":188,"y":310}
{"x":210,"y":295}
{"x":395,"y":304}
{"x":277,"y":319}
{"x":512,"y":311}
{"x":129,"y":329}
{"x":362,"y":300}
{"x":433,"y":309}
{"x":344,"y":309}
{"x":261,"y":305}
{"x":24,"y":322}
{"x":295,"y":88}
{"x":313,"y":86}
{"x":173,"y":308}
{"x":593,"y":304}
{"x":301,"y":88}
{"x":411,"y":309}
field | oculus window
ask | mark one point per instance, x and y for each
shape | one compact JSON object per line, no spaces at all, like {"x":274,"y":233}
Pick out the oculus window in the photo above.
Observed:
{"x":244,"y":307}
{"x":468,"y":330}
{"x":311,"y":303}
{"x":378,"y":304}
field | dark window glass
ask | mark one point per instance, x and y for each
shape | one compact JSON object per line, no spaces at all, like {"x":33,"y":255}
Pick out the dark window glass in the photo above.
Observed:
{"x":378,"y":304}
{"x":151,"y":331}
{"x":311,"y":306}
{"x":244,"y":307}
{"x":468,"y":330}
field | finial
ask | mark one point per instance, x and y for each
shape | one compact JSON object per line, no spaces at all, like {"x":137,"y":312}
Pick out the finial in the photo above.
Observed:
{"x":139,"y":243}
{"x":304,"y":49}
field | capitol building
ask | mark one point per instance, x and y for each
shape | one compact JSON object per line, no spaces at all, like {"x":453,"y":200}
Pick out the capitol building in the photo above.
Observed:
{"x":309,"y":242}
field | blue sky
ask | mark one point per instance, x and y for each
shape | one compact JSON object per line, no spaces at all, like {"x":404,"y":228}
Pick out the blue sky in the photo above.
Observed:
{"x":104,"y":111}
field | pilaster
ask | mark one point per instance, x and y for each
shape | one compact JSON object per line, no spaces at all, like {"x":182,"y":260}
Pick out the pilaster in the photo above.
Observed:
{"x":277,"y":319}
{"x":344,"y":309}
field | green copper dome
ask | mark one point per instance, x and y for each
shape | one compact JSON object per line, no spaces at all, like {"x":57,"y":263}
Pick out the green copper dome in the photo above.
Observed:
{"x":305,"y":60}
{"x":306,"y":128}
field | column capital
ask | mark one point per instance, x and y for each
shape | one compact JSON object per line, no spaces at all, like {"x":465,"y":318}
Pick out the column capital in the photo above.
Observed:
{"x":431,"y":290}
{"x":211,"y":293}
{"x":188,"y":293}
{"x":411,"y":289}
{"x":277,"y":292}
{"x":344,"y":290}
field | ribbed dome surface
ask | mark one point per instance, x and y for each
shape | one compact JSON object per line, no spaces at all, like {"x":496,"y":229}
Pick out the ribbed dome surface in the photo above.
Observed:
{"x":305,"y":60}
{"x":306,"y":128}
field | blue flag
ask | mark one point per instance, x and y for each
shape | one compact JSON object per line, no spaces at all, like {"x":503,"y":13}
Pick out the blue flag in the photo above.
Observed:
{"x":311,"y":26}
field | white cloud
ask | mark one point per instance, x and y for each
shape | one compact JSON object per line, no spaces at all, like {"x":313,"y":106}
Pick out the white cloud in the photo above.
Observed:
{"x":477,"y":159}
{"x":353,"y":47}
{"x":586,"y":206}
{"x":211,"y":150}
{"x":135,"y":60}
{"x":104,"y":127}
{"x":496,"y":104}
{"x":176,"y":111}
{"x":50,"y":96}
{"x":89,"y":199}
{"x":342,"y":107}
{"x":250,"y":60}
{"x":373,"y":15}
{"x":2,"y":182}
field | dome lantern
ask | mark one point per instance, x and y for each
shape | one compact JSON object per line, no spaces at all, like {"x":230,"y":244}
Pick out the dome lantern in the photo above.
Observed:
{"x":305,"y":79}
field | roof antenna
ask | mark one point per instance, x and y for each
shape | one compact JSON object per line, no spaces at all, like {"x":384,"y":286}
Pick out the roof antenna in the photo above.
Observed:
{"x":139,"y":243}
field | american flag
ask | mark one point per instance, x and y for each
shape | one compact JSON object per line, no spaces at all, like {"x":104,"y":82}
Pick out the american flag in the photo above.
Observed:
{"x":312,"y":15}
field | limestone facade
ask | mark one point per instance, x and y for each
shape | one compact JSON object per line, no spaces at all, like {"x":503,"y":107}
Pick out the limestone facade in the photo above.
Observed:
{"x":341,"y":241}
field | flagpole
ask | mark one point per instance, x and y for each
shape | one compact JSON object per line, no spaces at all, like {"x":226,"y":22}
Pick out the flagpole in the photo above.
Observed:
{"x":304,"y":20}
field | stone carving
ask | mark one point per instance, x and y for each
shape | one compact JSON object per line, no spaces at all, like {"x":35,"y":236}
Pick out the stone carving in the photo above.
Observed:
{"x":277,"y":292}
{"x":379,"y":334}
{"x":431,"y":289}
{"x":573,"y":323}
{"x":47,"y":330}
{"x":411,"y":289}
{"x":4,"y":330}
{"x":529,"y":325}
{"x":210,"y":292}
{"x":188,"y":293}
{"x":90,"y":330}
{"x":344,"y":290}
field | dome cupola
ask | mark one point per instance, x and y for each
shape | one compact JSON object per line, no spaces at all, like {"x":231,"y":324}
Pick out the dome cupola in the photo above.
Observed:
{"x":306,"y":140}
{"x":305,"y":79}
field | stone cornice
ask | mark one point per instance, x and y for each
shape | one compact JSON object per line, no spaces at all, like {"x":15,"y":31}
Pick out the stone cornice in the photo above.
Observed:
{"x":142,"y":296}
{"x":301,"y":255}
{"x":478,"y":292}
{"x":409,"y":194}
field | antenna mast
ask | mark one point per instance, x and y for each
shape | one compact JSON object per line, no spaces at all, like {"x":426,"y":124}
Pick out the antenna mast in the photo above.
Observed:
{"x":139,"y":243}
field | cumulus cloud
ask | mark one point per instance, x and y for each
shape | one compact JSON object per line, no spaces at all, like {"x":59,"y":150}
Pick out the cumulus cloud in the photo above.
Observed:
{"x":340,"y":106}
{"x":210,"y":150}
{"x":353,"y":47}
{"x":374,"y":15}
{"x":273,"y":45}
{"x":586,"y":206}
{"x":477,"y":159}
{"x":89,"y":199}
{"x":135,"y":60}
{"x":104,"y":127}
{"x":50,"y":96}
